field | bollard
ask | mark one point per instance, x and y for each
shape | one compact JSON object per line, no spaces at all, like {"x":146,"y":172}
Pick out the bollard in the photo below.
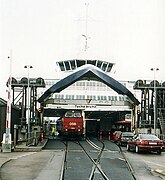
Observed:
{"x":101,"y":135}
{"x":42,"y":137}
{"x":109,"y":135}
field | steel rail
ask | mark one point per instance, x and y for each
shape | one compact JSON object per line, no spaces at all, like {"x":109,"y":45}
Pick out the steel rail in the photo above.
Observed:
{"x":95,"y":163}
{"x":62,"y":176}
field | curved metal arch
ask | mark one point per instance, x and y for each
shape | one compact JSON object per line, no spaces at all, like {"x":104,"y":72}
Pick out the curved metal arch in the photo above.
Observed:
{"x":88,"y":72}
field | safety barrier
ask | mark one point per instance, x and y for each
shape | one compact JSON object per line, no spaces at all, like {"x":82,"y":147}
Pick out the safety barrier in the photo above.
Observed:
{"x":105,"y":135}
{"x":42,"y":137}
{"x":32,"y":138}
{"x":109,"y":135}
{"x":29,"y":138}
{"x":101,"y":135}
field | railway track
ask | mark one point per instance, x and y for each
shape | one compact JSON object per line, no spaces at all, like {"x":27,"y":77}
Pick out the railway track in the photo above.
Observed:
{"x":91,"y":159}
{"x":94,"y":160}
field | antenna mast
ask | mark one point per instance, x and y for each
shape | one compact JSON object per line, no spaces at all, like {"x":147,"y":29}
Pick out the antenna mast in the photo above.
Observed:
{"x":86,"y":28}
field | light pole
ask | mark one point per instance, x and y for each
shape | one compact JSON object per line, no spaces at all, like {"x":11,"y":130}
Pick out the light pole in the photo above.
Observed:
{"x":28,"y":68}
{"x":155,"y":95}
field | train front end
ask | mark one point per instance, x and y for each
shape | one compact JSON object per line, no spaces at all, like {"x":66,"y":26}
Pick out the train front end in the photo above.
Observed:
{"x":73,"y":123}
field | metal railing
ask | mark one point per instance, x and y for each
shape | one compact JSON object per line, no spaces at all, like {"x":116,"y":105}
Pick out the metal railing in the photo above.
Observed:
{"x":32,"y":138}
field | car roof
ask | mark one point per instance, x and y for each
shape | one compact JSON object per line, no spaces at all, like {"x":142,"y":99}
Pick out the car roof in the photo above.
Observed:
{"x":148,"y":136}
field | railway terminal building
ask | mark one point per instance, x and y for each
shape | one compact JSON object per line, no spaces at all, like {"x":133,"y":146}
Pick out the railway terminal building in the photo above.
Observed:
{"x":105,"y":102}
{"x":87,"y":85}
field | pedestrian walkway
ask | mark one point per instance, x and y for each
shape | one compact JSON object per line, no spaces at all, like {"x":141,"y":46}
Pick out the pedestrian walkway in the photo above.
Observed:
{"x":4,"y":157}
{"x":53,"y":169}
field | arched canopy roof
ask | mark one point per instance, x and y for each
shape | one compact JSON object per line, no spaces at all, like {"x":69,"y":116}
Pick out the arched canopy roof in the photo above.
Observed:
{"x":88,"y":72}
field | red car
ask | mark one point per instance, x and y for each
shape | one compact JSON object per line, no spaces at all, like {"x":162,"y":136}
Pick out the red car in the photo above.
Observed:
{"x":145,"y":142}
{"x":116,"y":135}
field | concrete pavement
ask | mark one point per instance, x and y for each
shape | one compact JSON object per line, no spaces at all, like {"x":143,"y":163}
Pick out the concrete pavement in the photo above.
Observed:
{"x":53,"y":169}
{"x":143,"y":172}
{"x":26,"y":150}
{"x":7,"y":156}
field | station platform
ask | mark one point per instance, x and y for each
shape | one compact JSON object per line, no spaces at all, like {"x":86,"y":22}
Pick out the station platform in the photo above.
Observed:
{"x":20,"y":148}
{"x":30,"y":148}
{"x":24,"y":151}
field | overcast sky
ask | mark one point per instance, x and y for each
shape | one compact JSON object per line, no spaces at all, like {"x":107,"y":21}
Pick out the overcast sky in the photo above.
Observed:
{"x":129,"y":33}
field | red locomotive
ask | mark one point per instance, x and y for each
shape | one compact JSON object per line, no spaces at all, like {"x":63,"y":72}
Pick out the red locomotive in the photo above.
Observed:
{"x":71,"y":124}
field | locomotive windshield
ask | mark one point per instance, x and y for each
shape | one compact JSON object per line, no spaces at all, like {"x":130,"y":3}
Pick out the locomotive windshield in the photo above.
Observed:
{"x":73,"y":114}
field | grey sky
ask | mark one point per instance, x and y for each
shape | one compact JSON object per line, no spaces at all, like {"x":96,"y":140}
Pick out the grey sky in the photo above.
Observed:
{"x":130,"y":33}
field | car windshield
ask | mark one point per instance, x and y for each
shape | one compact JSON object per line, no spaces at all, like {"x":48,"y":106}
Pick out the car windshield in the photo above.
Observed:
{"x":148,"y":137}
{"x":127,"y":134}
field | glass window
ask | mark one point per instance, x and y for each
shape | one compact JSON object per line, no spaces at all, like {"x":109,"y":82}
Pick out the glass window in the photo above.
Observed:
{"x":67,"y":96}
{"x":73,"y":64}
{"x":92,"y":97}
{"x":67,"y":65}
{"x":61,"y":96}
{"x":93,"y":62}
{"x":148,"y":137}
{"x":80,"y":63}
{"x":61,"y":66}
{"x":104,"y":66}
{"x":77,"y":114}
{"x":72,"y":96}
{"x":99,"y":63}
{"x":69,"y":114}
{"x":109,"y":67}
